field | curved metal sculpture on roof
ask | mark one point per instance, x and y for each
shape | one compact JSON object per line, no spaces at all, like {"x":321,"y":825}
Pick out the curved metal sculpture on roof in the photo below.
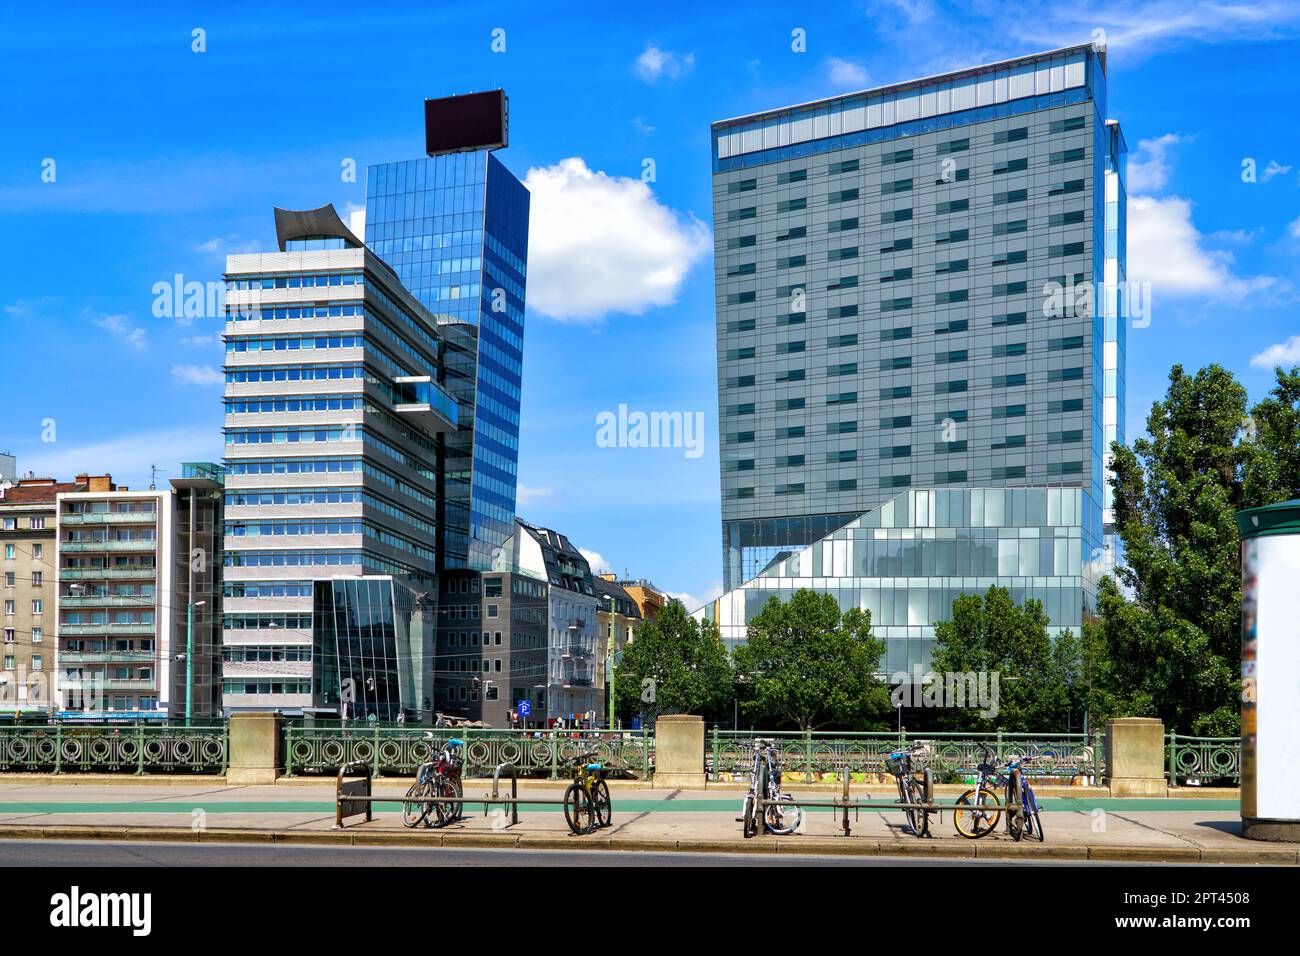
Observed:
{"x":322,"y":223}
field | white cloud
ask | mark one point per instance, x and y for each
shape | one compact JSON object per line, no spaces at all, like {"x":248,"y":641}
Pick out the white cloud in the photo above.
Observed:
{"x":121,"y":328}
{"x":220,"y":246}
{"x":694,"y":602}
{"x":1286,"y":354}
{"x":357,"y":220}
{"x":199,"y":340}
{"x":595,"y":559}
{"x":128,"y":457}
{"x":599,"y":244}
{"x":1293,"y":228}
{"x":1274,"y":169}
{"x":654,"y":63}
{"x":845,"y":74}
{"x":197,"y":375}
{"x":1149,"y":164}
{"x":1165,"y":249}
{"x":526,"y":495}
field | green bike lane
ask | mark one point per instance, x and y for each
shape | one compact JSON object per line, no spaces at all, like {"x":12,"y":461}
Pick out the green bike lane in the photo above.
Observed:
{"x":643,"y":819}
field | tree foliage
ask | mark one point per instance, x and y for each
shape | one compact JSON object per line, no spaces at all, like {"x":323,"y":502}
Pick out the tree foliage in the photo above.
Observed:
{"x":807,"y":664}
{"x":675,"y":665}
{"x":1036,"y":677}
{"x":1174,"y":649}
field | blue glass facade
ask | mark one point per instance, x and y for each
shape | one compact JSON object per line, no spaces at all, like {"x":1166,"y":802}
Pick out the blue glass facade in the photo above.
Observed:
{"x":455,"y":229}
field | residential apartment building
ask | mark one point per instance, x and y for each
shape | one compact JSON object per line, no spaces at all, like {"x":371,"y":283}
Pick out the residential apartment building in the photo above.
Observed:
{"x":649,"y":600}
{"x":28,"y":563}
{"x":334,"y":410}
{"x":114,"y":598}
{"x":492,"y":647}
{"x":618,"y":617}
{"x":454,"y":227}
{"x":916,"y":392}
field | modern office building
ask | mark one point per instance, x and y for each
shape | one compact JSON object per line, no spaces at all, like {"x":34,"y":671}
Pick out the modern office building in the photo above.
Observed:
{"x":115,"y":564}
{"x":333,"y":413}
{"x":454,"y":227}
{"x":28,"y":562}
{"x":8,"y":468}
{"x":906,"y":281}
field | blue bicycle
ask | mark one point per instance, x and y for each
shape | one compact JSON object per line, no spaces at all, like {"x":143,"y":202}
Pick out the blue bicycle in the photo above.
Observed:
{"x":1022,"y":806}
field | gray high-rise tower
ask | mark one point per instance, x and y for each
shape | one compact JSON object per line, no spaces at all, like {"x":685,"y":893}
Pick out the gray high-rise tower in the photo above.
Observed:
{"x":916,"y":396}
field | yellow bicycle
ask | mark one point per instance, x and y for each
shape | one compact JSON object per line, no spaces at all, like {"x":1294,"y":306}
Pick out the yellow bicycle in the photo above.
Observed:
{"x":587,"y":806}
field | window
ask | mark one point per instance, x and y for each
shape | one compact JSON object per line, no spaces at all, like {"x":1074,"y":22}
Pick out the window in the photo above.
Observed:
{"x":9,"y":607}
{"x":9,"y":635}
{"x":10,"y":578}
{"x":841,"y":428}
{"x":792,"y":176}
{"x":842,"y":341}
{"x":895,"y":363}
{"x":736,"y":215}
{"x":36,"y":578}
{"x":37,"y":662}
{"x":1066,"y":156}
{"x":955,"y":235}
{"x":847,"y":166}
{"x":792,"y":205}
{"x":1011,"y":135}
{"x":491,"y":587}
{"x":742,"y":186}
{"x":1011,"y":166}
{"x":9,"y":552}
{"x":38,"y":524}
{"x":493,"y":610}
{"x":9,"y":524}
{"x":742,"y":242}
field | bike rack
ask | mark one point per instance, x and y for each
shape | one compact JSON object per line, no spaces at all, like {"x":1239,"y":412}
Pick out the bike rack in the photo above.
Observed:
{"x":353,"y":797}
{"x":362,"y":796}
{"x":845,"y":803}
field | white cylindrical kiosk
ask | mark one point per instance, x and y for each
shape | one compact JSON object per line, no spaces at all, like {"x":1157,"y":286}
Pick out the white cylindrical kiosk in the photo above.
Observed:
{"x":1270,"y":671}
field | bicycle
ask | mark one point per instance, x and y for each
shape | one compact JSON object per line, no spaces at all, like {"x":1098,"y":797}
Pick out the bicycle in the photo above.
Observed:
{"x":779,"y":815}
{"x":438,"y":776}
{"x":985,"y":809}
{"x":1022,"y":804}
{"x":587,"y":806}
{"x":911,"y":790}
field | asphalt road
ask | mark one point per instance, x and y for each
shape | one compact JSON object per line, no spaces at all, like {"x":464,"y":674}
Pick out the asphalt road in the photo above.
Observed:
{"x":87,"y":853}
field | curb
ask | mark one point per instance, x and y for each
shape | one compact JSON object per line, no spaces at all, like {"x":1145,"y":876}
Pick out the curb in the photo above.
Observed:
{"x":1270,"y":856}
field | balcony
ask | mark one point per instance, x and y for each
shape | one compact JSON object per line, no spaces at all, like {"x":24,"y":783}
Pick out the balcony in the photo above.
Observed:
{"x":149,"y":544}
{"x":422,"y":400}
{"x":109,"y":517}
{"x":106,"y":657}
{"x":108,"y":574}
{"x":107,"y":600}
{"x":95,"y":682}
{"x":74,"y":630}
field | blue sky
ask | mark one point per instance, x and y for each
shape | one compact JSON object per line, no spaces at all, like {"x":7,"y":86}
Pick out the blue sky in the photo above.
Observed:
{"x":166,"y":159}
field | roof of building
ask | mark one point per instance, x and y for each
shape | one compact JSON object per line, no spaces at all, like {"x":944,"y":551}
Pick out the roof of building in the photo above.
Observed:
{"x":320,"y":223}
{"x":925,"y":81}
{"x":32,"y":491}
{"x":606,"y":589}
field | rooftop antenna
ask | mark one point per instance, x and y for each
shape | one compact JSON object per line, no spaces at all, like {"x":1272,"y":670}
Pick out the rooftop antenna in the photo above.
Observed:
{"x":153,"y":477}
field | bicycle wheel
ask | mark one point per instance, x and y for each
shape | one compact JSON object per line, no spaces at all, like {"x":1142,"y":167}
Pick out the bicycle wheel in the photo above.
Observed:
{"x":915,"y":819}
{"x":1015,"y":806}
{"x":761,"y":792}
{"x":981,"y":819}
{"x":577,"y":810}
{"x":458,"y":809}
{"x":445,"y":812}
{"x":782,"y":818}
{"x":413,"y":814}
{"x":602,"y":806}
{"x":749,"y":821}
{"x":1035,"y":819}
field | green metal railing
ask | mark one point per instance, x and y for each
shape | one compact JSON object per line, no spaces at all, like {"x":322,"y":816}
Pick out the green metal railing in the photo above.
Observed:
{"x":400,"y":749}
{"x":810,"y":753}
{"x":114,"y":748}
{"x":1202,"y":758}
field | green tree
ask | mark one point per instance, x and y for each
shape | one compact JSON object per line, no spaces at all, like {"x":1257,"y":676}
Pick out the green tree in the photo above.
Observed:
{"x":1174,"y":648}
{"x":1036,"y":678}
{"x":675,"y":665}
{"x":804,"y":663}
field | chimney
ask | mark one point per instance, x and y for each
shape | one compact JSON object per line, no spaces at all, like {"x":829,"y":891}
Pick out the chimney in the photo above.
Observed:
{"x":98,"y":482}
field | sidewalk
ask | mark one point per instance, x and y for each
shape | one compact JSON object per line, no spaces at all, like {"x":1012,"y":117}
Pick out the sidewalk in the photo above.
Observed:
{"x":1083,"y":826}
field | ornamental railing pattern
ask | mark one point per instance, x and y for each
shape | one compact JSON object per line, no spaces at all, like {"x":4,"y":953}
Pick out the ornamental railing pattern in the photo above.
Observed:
{"x":949,"y":754}
{"x":1202,"y":759}
{"x":400,"y":750}
{"x":114,"y":748}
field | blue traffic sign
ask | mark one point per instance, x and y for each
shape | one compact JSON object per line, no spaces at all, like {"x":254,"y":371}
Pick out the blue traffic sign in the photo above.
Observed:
{"x":525,"y":709}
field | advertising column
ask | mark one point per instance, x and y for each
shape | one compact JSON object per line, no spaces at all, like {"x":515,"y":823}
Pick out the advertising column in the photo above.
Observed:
{"x":1270,"y":671}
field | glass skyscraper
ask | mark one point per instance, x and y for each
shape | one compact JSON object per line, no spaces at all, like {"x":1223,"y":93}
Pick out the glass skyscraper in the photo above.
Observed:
{"x":916,"y":290}
{"x":454,"y":226}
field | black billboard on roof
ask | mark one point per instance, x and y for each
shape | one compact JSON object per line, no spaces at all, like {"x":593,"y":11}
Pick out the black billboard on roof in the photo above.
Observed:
{"x":455,"y":124}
